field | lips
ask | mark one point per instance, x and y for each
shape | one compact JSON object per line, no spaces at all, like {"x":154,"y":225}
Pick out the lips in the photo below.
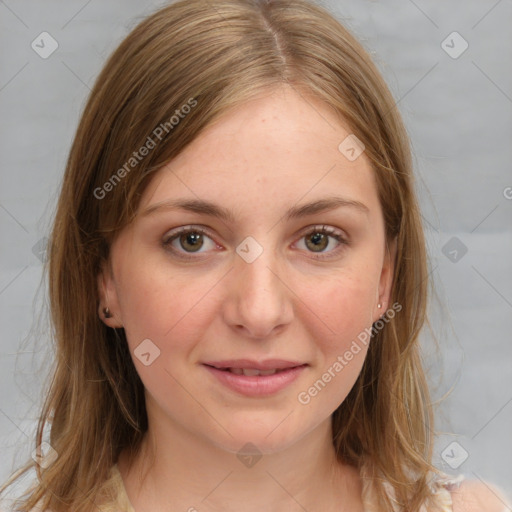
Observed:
{"x":251,"y":367}
{"x":253,"y":378}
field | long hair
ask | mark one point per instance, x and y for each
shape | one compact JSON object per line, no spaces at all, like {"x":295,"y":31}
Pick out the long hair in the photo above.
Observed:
{"x":213,"y":56}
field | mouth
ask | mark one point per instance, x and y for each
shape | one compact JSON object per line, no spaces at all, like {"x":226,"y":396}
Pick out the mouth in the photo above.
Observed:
{"x":251,"y":367}
{"x":252,"y":372}
{"x":255,"y":379}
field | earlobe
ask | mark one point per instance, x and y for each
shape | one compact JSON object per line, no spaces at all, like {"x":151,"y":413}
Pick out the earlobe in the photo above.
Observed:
{"x":386,"y":277}
{"x":108,"y":308}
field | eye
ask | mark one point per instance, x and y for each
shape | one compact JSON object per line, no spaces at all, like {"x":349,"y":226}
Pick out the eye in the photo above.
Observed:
{"x":188,"y":240}
{"x":320,"y":238}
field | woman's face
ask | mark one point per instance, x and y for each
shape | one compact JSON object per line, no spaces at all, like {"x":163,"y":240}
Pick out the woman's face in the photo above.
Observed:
{"x":260,"y":286}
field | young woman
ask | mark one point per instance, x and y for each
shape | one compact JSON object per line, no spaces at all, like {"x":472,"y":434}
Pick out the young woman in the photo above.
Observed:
{"x":238,"y":279}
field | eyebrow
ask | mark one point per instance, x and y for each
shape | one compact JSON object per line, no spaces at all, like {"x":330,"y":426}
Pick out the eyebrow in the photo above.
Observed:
{"x":214,"y":210}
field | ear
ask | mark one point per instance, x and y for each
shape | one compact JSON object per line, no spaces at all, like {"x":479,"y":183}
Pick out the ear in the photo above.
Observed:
{"x":107,"y":292}
{"x":386,"y":278}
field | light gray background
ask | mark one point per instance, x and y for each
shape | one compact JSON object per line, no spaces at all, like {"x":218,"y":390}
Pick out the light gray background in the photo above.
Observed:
{"x":458,"y":113}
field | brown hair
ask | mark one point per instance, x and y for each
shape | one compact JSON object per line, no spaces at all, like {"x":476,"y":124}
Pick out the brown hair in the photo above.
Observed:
{"x":219,"y":54}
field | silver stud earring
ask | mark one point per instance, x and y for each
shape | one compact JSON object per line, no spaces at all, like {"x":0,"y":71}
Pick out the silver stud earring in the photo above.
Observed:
{"x":379,"y":305}
{"x":107,"y":313}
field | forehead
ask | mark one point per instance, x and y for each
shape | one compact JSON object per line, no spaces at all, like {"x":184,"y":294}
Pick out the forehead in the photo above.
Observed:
{"x":278,"y":148}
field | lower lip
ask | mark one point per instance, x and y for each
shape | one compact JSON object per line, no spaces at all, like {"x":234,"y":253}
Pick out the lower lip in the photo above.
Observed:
{"x":257,"y":385}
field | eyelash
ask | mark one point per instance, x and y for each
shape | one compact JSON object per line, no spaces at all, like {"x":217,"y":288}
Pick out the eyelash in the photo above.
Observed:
{"x":331,"y":232}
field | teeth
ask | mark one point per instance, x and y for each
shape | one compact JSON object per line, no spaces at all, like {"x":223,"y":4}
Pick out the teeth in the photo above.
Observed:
{"x":268,"y":372}
{"x":251,"y":372}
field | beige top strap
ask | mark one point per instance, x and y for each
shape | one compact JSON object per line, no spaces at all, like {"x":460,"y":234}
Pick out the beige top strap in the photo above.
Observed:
{"x":114,"y":494}
{"x":441,"y":489}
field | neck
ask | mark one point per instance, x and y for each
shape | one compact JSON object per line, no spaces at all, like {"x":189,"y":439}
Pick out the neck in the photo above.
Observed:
{"x":188,"y":472}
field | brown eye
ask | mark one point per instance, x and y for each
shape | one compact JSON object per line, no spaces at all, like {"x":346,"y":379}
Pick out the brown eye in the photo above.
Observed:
{"x":191,"y":241}
{"x":317,"y":242}
{"x":320,"y":241}
{"x":188,"y":240}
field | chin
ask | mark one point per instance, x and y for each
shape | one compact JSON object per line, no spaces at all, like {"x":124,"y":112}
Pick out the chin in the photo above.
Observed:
{"x":260,"y":437}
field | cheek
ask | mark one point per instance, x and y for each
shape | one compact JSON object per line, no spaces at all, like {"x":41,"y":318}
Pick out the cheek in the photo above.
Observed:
{"x":154,"y":302}
{"x":344,"y":305}
{"x":344,"y":308}
{"x":159,"y":308}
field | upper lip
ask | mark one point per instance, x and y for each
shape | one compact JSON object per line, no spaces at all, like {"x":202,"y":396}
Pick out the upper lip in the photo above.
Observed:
{"x":269,"y":364}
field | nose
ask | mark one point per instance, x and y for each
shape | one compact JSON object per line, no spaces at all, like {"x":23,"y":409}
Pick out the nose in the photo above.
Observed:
{"x":259,"y":301}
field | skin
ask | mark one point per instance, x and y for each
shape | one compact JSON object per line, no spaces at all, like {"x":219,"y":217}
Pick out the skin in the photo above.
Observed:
{"x":259,"y":160}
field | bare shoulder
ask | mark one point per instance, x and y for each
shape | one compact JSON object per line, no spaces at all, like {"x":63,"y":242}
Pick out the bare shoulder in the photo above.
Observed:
{"x":477,"y":496}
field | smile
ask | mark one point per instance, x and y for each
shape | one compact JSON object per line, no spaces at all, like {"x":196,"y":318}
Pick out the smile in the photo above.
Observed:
{"x":255,"y":382}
